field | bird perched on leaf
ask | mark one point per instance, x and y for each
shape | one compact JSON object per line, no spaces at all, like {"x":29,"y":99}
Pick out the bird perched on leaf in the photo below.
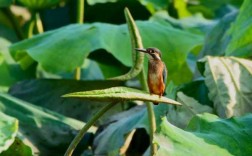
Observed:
{"x":157,"y":72}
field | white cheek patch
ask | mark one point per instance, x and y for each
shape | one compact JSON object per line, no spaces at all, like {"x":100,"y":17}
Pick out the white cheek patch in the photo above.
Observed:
{"x":158,"y":57}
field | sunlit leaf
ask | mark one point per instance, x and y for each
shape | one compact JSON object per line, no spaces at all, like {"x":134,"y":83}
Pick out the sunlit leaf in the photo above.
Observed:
{"x":121,"y":94}
{"x":92,"y":2}
{"x":8,"y":131}
{"x":18,"y":148}
{"x":228,"y":80}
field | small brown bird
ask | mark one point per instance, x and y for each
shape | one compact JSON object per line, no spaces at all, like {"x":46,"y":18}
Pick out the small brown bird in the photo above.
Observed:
{"x":157,"y":72}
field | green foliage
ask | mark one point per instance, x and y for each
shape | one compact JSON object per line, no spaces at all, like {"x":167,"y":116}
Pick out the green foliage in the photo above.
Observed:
{"x":241,"y":29}
{"x":8,"y":130}
{"x":52,"y":129}
{"x":5,"y":3}
{"x":206,"y":46}
{"x":228,"y":136}
{"x":18,"y":148}
{"x":39,"y":4}
{"x":113,"y":38}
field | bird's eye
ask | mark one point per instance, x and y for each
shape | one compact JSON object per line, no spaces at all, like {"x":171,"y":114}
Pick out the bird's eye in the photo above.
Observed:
{"x":151,"y":51}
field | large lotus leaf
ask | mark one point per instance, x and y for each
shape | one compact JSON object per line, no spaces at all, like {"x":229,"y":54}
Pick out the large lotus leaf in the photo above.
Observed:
{"x":195,"y":24}
{"x":199,"y":91}
{"x":50,"y":132}
{"x":228,"y":80}
{"x":39,"y":4}
{"x":206,"y":135}
{"x":180,"y":116}
{"x":71,"y":44}
{"x":217,"y":38}
{"x":8,"y":131}
{"x":120,"y":128}
{"x":114,"y":134}
{"x":213,"y":8}
{"x":18,"y":148}
{"x":36,"y":91}
{"x":241,"y":32}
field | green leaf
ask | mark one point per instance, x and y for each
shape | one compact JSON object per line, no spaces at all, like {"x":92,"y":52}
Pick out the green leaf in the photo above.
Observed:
{"x":18,"y":148}
{"x":5,"y":3}
{"x":197,"y":90}
{"x":155,"y":5}
{"x":36,"y":91}
{"x":121,"y":94}
{"x":206,"y":135}
{"x":217,"y":39}
{"x":240,"y":32}
{"x":49,"y":131}
{"x":228,"y":79}
{"x":41,"y":4}
{"x":47,"y":48}
{"x":10,"y":71}
{"x":8,"y":131}
{"x":114,"y":135}
{"x":181,"y":116}
{"x":181,"y":7}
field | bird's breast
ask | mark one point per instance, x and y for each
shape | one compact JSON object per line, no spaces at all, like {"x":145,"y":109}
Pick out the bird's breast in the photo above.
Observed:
{"x":155,"y":77}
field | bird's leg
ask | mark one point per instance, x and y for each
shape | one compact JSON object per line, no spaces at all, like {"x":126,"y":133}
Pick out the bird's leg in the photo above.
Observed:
{"x":160,"y":95}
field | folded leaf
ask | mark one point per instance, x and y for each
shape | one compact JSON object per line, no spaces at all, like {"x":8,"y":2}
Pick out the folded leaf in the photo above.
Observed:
{"x":121,"y":94}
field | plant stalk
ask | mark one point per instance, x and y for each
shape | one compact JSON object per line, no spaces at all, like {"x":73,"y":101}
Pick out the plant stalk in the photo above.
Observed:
{"x":81,"y":133}
{"x":151,"y":115}
{"x":38,"y":22}
{"x":80,"y":20}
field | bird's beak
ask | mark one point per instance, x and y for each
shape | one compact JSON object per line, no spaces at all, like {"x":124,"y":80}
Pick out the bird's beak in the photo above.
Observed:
{"x":141,"y":50}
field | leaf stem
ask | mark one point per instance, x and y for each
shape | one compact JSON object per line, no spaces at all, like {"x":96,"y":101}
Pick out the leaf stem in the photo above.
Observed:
{"x":81,"y":133}
{"x":80,"y":11}
{"x":80,"y":20}
{"x":38,"y":22}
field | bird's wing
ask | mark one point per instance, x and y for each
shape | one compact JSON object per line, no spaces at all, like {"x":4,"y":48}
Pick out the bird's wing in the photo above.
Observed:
{"x":164,"y":74}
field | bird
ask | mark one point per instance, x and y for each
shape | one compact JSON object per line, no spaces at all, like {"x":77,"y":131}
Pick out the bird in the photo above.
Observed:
{"x":157,"y":71}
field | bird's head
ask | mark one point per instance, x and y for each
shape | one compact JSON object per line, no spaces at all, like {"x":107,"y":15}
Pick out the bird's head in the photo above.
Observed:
{"x":153,"y":52}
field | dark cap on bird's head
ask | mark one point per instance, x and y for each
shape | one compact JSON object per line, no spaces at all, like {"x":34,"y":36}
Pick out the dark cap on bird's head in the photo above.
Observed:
{"x":154,"y":52}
